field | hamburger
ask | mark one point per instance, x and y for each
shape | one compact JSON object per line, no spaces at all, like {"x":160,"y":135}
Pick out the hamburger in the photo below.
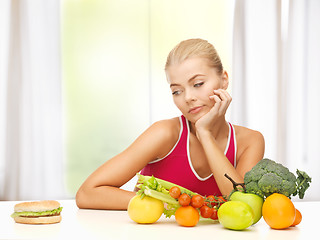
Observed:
{"x":39,"y":212}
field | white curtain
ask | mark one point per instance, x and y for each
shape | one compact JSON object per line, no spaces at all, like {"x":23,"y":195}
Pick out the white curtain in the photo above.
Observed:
{"x":31,"y":149}
{"x":276,"y":80}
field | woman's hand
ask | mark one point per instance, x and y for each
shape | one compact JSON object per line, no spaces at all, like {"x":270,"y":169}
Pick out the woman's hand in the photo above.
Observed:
{"x":222,"y":101}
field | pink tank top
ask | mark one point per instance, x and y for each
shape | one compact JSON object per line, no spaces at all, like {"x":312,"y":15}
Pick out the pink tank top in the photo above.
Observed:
{"x":176,"y":166}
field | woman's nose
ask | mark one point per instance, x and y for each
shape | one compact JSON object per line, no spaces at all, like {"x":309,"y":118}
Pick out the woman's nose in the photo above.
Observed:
{"x":189,"y":96}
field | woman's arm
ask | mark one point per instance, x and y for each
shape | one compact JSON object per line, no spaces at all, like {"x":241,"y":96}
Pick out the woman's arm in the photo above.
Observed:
{"x":219,"y":164}
{"x":101,"y":190}
{"x":251,"y":143}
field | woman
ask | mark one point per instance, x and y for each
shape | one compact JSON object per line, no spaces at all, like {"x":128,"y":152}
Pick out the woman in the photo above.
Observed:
{"x":194,"y":150}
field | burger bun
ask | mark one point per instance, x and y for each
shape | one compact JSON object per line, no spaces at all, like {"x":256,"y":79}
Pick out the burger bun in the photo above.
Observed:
{"x":37,"y":206}
{"x":38,"y":220}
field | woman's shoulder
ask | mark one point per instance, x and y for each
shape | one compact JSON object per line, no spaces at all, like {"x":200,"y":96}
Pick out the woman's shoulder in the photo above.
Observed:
{"x":166,"y":133}
{"x":247,"y":136}
{"x":168,"y":128}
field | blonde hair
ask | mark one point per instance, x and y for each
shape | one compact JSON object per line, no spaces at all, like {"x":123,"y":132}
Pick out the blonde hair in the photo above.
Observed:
{"x":194,"y":48}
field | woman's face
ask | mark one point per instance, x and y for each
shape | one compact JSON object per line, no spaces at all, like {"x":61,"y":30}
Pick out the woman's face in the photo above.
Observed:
{"x":191,"y":83}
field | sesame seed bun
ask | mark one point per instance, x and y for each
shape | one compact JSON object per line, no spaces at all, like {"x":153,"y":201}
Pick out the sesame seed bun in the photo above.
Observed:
{"x":38,"y":206}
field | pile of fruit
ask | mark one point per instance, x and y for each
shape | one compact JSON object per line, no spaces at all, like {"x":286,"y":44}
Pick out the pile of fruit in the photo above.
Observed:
{"x":241,"y":210}
{"x":157,"y":197}
{"x":192,"y":207}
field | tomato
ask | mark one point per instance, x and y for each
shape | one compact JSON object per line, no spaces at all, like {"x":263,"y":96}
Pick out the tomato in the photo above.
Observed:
{"x":212,"y":201}
{"x":222,"y":200}
{"x":209,"y":200}
{"x":145,"y":210}
{"x":175,"y":192}
{"x":206,"y":212}
{"x":214,"y":214}
{"x":187,"y":216}
{"x":184,"y":199}
{"x":197,"y":201}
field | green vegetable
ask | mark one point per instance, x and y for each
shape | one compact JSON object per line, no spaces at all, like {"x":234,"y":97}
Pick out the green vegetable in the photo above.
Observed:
{"x":303,"y":183}
{"x":268,"y":177}
{"x":159,"y":184}
{"x":37,"y":214}
{"x":160,"y":196}
{"x":159,"y":189}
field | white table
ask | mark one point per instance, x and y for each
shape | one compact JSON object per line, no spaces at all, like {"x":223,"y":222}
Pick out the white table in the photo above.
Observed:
{"x":101,"y":224}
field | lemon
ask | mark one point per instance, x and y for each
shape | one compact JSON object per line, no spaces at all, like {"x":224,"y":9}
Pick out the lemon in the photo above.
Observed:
{"x":145,"y":210}
{"x":235,"y":215}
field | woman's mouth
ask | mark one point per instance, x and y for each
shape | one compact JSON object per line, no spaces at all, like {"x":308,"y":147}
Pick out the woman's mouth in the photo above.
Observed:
{"x":195,"y":110}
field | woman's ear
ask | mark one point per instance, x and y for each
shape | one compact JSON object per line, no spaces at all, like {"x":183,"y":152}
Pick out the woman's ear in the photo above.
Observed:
{"x":225,"y":80}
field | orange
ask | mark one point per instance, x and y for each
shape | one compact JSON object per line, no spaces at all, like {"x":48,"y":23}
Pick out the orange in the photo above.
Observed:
{"x":278,"y":211}
{"x":297,"y":219}
{"x":187,"y":216}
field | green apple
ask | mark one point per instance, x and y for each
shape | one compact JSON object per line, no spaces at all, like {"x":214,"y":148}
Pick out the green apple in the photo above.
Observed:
{"x":235,"y":215}
{"x":253,"y":200}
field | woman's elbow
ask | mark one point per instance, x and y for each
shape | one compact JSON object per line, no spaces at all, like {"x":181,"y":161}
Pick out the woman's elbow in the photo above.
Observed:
{"x":81,"y":197}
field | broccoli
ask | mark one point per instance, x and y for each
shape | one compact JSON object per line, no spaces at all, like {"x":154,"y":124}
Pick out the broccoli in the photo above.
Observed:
{"x":268,"y":177}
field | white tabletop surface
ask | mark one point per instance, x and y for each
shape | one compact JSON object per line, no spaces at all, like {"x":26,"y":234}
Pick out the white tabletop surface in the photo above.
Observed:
{"x":101,"y":224}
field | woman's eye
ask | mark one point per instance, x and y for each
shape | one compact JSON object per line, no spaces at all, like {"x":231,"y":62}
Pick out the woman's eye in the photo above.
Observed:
{"x":198,"y":84}
{"x":176,"y":92}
